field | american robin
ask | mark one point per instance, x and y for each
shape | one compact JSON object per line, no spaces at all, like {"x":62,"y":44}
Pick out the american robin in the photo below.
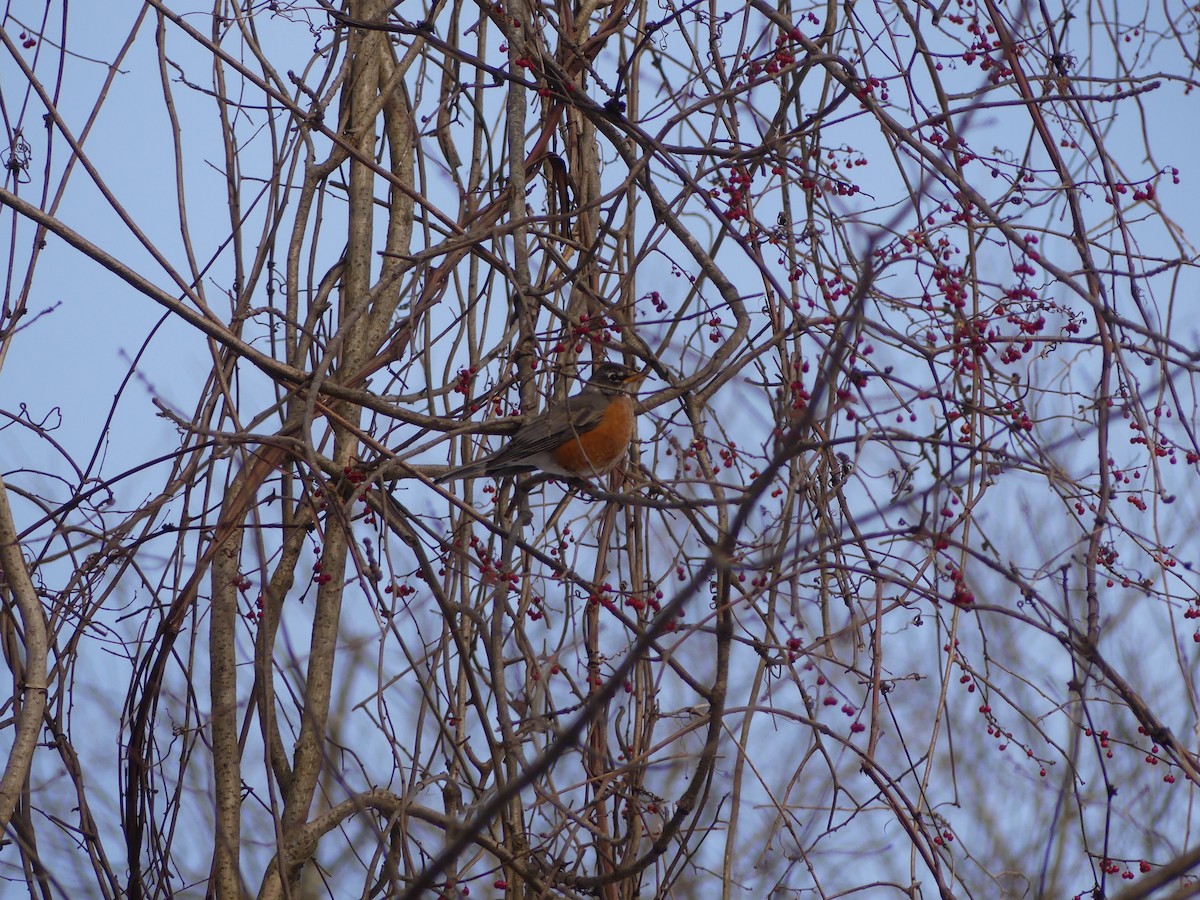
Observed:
{"x":585,"y":436}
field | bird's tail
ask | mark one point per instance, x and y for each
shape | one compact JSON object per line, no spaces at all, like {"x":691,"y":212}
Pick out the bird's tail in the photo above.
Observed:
{"x":470,"y":470}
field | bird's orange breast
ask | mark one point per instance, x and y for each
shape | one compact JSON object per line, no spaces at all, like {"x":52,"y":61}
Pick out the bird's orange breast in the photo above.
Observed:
{"x":597,"y":450}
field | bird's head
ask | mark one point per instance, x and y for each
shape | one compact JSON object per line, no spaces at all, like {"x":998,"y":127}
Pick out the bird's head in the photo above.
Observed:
{"x":610,"y":377}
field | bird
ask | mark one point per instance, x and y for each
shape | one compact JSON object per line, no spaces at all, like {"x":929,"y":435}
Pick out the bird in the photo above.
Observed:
{"x":584,"y":436}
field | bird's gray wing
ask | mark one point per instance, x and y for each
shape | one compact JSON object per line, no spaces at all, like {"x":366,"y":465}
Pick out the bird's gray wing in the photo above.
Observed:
{"x":549,"y":430}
